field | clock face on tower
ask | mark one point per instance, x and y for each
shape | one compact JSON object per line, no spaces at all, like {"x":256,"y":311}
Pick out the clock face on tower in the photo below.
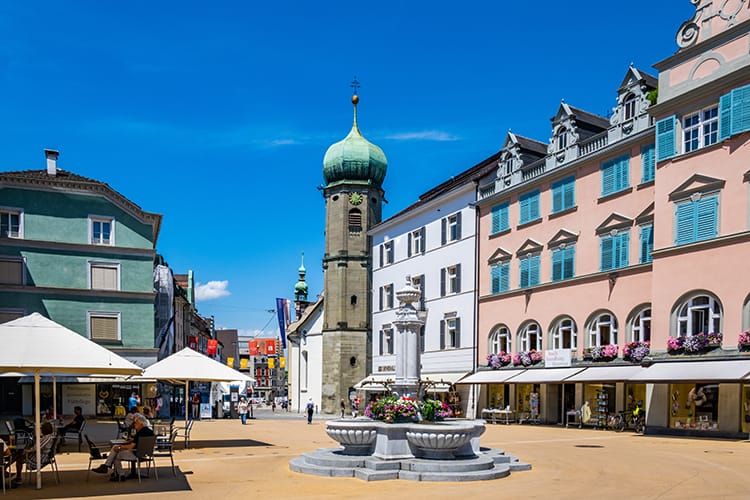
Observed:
{"x":355,"y":198}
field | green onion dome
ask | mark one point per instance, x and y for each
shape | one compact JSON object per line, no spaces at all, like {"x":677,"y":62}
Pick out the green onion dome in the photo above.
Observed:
{"x":354,"y":159}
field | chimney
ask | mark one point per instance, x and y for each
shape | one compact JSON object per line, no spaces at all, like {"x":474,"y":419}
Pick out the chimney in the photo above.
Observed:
{"x":51,"y":155}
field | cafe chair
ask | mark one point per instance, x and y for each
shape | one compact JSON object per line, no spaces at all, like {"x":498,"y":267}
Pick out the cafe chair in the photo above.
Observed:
{"x":184,"y":432}
{"x":78,"y":433}
{"x":95,"y":453}
{"x":144,"y":453}
{"x":47,"y":459}
{"x":121,"y":428}
{"x":165,"y":448}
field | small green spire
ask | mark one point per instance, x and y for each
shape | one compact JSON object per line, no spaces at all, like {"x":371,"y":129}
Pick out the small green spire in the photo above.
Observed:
{"x":300,"y":288}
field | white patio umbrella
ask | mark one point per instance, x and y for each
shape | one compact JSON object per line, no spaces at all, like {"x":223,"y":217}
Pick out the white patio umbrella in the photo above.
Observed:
{"x":35,"y":345}
{"x":188,"y":365}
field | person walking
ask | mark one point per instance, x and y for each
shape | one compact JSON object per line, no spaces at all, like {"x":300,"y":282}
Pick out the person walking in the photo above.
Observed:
{"x":196,"y":406}
{"x":242,"y":410}
{"x":343,"y":408}
{"x":310,"y":410}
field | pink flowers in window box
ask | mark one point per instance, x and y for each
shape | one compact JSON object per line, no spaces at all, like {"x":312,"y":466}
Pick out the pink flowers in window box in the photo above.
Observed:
{"x":498,"y":360}
{"x":601,"y":352}
{"x":527,"y":358}
{"x":636,"y":351}
{"x":743,"y":341}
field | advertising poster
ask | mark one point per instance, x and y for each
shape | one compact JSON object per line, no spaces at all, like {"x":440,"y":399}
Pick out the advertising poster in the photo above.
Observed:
{"x":83,"y":395}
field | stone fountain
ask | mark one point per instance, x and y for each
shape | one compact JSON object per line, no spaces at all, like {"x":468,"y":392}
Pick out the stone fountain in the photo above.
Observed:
{"x":421,"y":451}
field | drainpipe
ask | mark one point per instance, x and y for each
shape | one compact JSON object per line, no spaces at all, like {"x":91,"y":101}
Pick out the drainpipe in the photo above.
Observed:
{"x":475,"y":357}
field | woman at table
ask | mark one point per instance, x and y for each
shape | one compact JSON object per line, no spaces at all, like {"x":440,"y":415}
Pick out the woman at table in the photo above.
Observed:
{"x":28,"y":455}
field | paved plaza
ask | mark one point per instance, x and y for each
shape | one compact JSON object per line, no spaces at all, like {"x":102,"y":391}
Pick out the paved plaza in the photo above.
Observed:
{"x":228,"y":460}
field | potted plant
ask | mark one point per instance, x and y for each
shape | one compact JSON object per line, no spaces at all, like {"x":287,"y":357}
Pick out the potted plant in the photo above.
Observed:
{"x":674,"y":344}
{"x":434,"y":410}
{"x":392,"y":409}
{"x":636,"y":351}
{"x":498,"y":360}
{"x":743,"y":341}
{"x":601,"y":352}
{"x":527,"y":358}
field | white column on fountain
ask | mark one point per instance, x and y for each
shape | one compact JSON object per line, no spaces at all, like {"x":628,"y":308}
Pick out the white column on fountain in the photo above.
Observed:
{"x":408,"y":324}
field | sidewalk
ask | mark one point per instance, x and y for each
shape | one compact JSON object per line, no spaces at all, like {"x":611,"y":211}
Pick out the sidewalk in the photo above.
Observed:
{"x":227,"y":459}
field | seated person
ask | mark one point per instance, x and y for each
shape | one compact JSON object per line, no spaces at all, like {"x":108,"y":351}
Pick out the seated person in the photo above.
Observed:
{"x":29,"y":454}
{"x":125,"y":451}
{"x":76,"y":423}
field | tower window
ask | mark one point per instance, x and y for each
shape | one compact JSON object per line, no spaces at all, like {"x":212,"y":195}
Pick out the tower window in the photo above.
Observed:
{"x":354,"y":300}
{"x":628,"y":106}
{"x":355,"y":221}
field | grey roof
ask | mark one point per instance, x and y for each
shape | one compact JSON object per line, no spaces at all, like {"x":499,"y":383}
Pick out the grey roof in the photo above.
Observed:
{"x":591,"y":118}
{"x":531,"y":144}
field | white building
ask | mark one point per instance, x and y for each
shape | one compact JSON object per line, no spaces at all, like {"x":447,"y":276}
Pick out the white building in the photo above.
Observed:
{"x":433,"y":241}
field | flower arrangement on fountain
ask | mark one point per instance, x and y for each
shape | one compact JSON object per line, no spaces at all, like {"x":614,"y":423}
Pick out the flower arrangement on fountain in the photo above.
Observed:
{"x":499,"y":360}
{"x":394,"y":409}
{"x":636,"y":351}
{"x":601,"y":352}
{"x":527,"y":358}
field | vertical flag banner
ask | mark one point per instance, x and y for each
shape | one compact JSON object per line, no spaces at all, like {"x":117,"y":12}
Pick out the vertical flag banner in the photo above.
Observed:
{"x":253,"y":347}
{"x":283,"y":315}
{"x":282,"y":362}
{"x":243,"y":363}
{"x":270,"y":347}
{"x":271,"y":362}
{"x":213,"y":344}
{"x":230,"y":362}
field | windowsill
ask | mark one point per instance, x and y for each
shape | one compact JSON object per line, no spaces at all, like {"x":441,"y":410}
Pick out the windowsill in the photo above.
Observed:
{"x":529,"y":223}
{"x":644,"y":185}
{"x":499,"y":233}
{"x":617,"y":194}
{"x":567,"y":211}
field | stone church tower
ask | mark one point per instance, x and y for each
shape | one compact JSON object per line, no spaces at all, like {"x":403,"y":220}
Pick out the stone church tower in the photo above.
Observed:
{"x":353,"y":170}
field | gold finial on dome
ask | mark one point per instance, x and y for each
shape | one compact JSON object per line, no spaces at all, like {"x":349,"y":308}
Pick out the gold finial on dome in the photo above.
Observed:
{"x":355,"y":100}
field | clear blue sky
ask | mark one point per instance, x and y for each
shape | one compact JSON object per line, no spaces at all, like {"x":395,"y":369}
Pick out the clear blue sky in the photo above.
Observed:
{"x":217,"y":114}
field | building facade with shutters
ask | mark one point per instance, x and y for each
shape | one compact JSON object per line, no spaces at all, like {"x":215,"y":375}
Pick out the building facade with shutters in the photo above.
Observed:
{"x":610,"y":270}
{"x":76,"y":251}
{"x":432,"y":242}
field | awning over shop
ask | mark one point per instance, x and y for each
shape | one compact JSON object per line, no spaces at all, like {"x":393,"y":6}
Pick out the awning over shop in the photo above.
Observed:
{"x":373,"y":383}
{"x":544,"y":375}
{"x":695,"y":371}
{"x":443,"y":381}
{"x":88,"y":380}
{"x":490,"y":377}
{"x":607,"y":374}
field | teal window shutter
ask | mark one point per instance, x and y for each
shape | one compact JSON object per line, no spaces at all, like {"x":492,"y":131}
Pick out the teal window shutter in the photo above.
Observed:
{"x":523,"y":279}
{"x":557,"y":197}
{"x":557,"y":265}
{"x":647,"y":244}
{"x":568,"y":265}
{"x":648,"y":163}
{"x":495,"y":277}
{"x":685,"y":224}
{"x":500,"y":278}
{"x":534,"y":270}
{"x":623,"y":249}
{"x":606,"y":253}
{"x":706,"y":218}
{"x":615,"y":175}
{"x":725,"y":116}
{"x":563,"y":194}
{"x":529,"y":204}
{"x":666,"y":140}
{"x":500,"y":220}
{"x":608,"y":178}
{"x":623,"y":173}
{"x":740,"y":110}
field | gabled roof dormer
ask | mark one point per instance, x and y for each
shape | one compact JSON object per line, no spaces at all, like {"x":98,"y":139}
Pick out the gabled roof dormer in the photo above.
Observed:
{"x":570,"y":127}
{"x":631,"y":113}
{"x":517,"y":152}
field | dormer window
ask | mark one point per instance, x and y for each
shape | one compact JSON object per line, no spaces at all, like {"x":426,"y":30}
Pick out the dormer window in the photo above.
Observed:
{"x":628,"y":106}
{"x":562,"y":138}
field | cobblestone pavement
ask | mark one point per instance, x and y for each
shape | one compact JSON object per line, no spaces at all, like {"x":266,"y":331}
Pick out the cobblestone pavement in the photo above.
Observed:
{"x":229,"y":460}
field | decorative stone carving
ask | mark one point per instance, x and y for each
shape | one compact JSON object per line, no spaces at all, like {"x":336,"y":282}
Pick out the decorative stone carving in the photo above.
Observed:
{"x":438,"y":442}
{"x":357,"y":437}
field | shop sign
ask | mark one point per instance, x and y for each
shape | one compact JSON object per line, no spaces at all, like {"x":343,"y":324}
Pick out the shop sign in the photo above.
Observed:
{"x":557,"y":358}
{"x":253,"y":347}
{"x":83,"y":395}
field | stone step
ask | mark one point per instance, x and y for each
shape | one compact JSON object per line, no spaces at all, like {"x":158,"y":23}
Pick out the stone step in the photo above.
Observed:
{"x":329,"y":458}
{"x":496,"y":472}
{"x":375,"y":475}
{"x":519,"y":466}
{"x":300,"y":465}
{"x":448,"y":466}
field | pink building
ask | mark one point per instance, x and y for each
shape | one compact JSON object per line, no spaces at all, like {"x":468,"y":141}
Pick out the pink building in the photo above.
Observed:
{"x":610,"y":258}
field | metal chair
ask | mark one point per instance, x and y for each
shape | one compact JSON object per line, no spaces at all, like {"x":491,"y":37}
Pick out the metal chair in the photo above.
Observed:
{"x":94,"y":454}
{"x":47,"y":459}
{"x":77,"y":433}
{"x":184,"y":432}
{"x":144,"y":453}
{"x":121,"y":427}
{"x":165,"y":448}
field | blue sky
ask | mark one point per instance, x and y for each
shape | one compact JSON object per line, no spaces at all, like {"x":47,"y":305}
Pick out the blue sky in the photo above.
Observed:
{"x":217,"y":114}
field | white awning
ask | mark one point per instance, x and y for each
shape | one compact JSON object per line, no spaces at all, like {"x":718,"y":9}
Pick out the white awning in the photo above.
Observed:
{"x":607,"y":374}
{"x":89,"y":380}
{"x":695,"y":371}
{"x":490,"y":377}
{"x":443,"y":381}
{"x":544,"y":375}
{"x":372,"y":383}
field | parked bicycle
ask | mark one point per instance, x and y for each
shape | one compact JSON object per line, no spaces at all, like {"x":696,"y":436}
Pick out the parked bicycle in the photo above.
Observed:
{"x":632,"y":419}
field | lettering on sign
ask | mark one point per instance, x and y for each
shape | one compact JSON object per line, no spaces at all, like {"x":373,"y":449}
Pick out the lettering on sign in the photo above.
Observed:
{"x":557,"y":358}
{"x":387,"y":368}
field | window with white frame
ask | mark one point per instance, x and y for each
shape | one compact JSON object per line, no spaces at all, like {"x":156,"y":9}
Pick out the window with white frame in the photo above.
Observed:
{"x":104,"y":275}
{"x":603,"y":330}
{"x":450,"y":228}
{"x":104,"y":326}
{"x":450,"y":332}
{"x":453,"y":228}
{"x":416,"y":242}
{"x":564,"y":334}
{"x":562,"y":138}
{"x":11,"y":271}
{"x":418,"y":283}
{"x":11,"y":223}
{"x":700,"y":129}
{"x":450,"y":280}
{"x":700,"y":314}
{"x":102,"y":230}
{"x":640,"y":331}
{"x":628,"y":107}
{"x":386,"y":340}
{"x":530,"y":337}
{"x":499,"y":340}
{"x":386,"y":253}
{"x":386,"y":297}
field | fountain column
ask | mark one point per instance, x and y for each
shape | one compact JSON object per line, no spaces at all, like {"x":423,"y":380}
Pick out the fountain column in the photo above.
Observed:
{"x":407,"y":324}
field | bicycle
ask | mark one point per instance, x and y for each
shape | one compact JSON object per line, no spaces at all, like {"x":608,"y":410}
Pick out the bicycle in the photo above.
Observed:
{"x":635,"y":420}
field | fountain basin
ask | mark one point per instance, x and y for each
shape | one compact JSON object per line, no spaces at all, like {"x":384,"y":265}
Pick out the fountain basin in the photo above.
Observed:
{"x":356,"y":436}
{"x":439,"y":441}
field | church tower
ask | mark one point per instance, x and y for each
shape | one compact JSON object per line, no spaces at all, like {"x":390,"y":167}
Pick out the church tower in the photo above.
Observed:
{"x":353,"y":171}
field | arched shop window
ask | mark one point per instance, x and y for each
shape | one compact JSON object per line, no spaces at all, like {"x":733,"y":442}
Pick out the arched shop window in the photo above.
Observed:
{"x":530,"y":337}
{"x":499,"y":340}
{"x":640,"y":326}
{"x":603,"y":330}
{"x":564,"y":334}
{"x":699,"y":314}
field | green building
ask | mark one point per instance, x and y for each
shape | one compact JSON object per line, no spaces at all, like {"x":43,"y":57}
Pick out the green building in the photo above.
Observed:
{"x":78,"y":252}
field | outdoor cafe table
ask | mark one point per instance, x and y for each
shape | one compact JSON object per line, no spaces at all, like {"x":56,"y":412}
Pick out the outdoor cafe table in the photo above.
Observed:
{"x":499,"y":416}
